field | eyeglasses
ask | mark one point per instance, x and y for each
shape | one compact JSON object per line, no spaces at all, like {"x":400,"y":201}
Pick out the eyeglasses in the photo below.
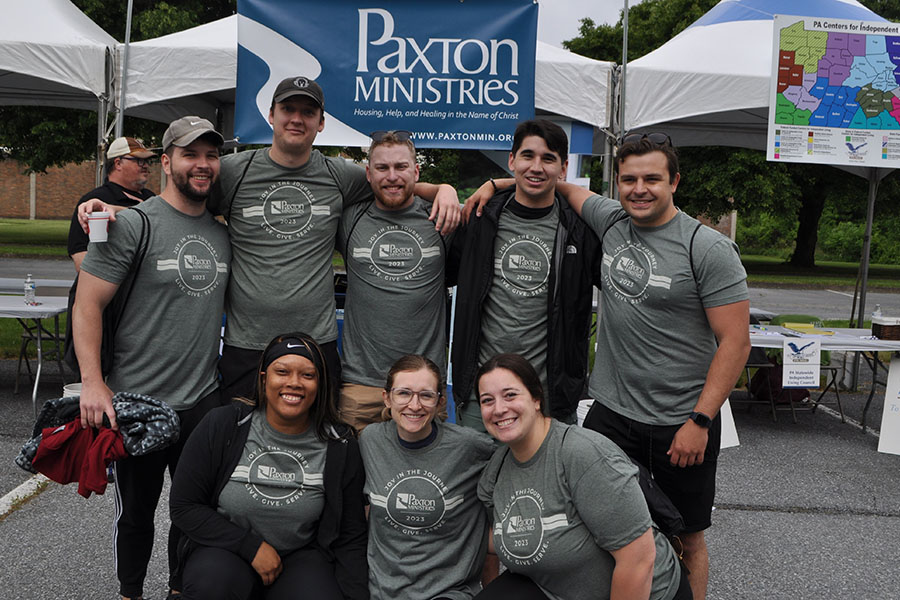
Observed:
{"x":656,"y":137}
{"x":403,"y":396}
{"x":400,"y":135}
{"x":141,"y":162}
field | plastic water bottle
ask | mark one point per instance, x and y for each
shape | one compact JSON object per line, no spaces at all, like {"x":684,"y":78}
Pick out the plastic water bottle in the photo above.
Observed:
{"x":29,"y":290}
{"x":876,"y":314}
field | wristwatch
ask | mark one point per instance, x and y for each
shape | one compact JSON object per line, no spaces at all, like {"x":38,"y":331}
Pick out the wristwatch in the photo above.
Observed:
{"x":701,"y":419}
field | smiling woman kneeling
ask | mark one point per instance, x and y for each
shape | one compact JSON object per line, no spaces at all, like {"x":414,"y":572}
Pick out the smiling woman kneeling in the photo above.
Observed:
{"x":269,"y":494}
{"x":427,"y":530}
{"x":570,"y":520}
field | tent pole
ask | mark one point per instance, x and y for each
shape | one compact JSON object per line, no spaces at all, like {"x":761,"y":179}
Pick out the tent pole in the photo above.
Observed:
{"x":624,"y":68}
{"x":120,"y":115}
{"x":864,"y":262}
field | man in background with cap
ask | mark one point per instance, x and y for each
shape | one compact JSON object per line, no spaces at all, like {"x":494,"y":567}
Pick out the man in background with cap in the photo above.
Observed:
{"x":283,"y":205}
{"x":127,"y":169}
{"x":168,"y":334}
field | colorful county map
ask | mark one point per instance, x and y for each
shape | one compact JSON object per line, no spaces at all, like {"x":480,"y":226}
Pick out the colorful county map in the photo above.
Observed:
{"x":828,"y":79}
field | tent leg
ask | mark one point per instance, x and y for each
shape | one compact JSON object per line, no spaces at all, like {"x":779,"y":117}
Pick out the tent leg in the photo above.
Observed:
{"x":864,"y":261}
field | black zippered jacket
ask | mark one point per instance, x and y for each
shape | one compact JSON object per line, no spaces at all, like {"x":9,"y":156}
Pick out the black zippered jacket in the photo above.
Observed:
{"x":208,"y":460}
{"x":574,"y":271}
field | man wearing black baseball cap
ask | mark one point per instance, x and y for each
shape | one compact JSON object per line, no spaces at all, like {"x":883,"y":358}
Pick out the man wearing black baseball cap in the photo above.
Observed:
{"x":168,"y":329}
{"x":283,"y":205}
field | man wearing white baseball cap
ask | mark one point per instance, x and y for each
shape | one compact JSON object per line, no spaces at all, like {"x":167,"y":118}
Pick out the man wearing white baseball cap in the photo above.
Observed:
{"x":167,"y":338}
{"x":127,"y":169}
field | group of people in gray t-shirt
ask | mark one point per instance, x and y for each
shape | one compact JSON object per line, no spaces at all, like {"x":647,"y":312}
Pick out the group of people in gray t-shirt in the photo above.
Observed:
{"x":526,"y":272}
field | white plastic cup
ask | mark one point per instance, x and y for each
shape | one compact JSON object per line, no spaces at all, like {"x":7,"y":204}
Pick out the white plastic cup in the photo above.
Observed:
{"x":71,"y":389}
{"x":98,"y":225}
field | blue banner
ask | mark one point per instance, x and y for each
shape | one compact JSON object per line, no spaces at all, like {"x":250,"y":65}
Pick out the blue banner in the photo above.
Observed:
{"x":456,"y":74}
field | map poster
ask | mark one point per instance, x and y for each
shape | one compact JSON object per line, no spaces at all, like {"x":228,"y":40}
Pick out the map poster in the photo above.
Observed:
{"x":835,"y":92}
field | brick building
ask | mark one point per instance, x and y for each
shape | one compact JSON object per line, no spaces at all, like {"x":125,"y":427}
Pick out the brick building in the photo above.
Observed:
{"x":52,"y":194}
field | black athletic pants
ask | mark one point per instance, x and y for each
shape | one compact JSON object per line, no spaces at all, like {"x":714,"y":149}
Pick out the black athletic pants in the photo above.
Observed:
{"x":217,"y":574}
{"x":139,"y":482}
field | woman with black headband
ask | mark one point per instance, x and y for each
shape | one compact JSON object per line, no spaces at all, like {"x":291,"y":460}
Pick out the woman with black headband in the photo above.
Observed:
{"x":269,"y":492}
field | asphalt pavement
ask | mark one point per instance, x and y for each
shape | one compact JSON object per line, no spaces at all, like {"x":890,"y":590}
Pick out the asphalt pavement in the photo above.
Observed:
{"x":805,"y":510}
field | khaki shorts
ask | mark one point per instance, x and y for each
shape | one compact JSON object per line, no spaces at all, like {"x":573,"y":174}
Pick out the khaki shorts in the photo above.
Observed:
{"x":360,"y":405}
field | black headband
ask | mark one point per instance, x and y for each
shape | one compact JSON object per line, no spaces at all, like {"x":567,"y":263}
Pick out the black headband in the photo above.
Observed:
{"x":286,"y":346}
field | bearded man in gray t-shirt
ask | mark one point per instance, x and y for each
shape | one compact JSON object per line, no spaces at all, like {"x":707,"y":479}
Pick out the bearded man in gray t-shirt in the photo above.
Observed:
{"x":167,"y":336}
{"x":396,"y":295}
{"x":283,"y":205}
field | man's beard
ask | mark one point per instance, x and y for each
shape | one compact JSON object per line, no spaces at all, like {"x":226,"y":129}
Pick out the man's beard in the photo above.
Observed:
{"x":183,"y":185}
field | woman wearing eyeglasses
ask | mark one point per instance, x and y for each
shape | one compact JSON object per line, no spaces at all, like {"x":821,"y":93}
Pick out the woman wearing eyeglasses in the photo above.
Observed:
{"x":570,"y":520}
{"x":269,"y":494}
{"x":427,"y":529}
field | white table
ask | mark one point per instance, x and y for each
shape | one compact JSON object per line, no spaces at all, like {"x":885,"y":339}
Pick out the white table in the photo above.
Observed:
{"x":844,"y":340}
{"x":14,"y":307}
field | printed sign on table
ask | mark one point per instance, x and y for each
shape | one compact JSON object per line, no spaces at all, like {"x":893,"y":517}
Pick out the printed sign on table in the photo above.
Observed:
{"x":889,"y":438}
{"x":455,"y":74}
{"x":835,"y":92}
{"x":802,"y":359}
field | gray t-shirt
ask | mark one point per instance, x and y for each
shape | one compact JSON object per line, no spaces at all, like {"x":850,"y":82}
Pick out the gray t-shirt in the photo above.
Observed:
{"x":427,"y":529}
{"x":277,"y":489}
{"x":167,"y":343}
{"x":654,"y":342}
{"x":282,"y":224}
{"x":558,"y":515}
{"x":516,"y":308}
{"x":396,"y":297}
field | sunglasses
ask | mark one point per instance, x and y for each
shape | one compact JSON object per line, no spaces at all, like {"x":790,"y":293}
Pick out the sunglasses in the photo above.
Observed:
{"x":142,"y":162}
{"x":658,"y":138}
{"x":399,"y":134}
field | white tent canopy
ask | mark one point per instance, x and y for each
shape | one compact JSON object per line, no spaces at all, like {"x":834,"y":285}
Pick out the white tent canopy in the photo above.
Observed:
{"x":193,"y":72}
{"x":709,"y":85}
{"x":188,"y":72}
{"x":52,"y":55}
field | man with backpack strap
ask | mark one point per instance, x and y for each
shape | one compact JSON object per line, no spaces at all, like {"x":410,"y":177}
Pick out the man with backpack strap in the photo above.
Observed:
{"x":166,"y":340}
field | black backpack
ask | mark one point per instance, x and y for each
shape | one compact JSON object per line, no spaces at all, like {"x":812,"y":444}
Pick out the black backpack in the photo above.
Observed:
{"x":112,"y":314}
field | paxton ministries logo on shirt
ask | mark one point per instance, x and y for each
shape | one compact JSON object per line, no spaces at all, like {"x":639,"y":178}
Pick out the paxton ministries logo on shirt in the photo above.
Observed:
{"x":283,"y":207}
{"x":519,"y":524}
{"x":410,"y":502}
{"x":629,"y":266}
{"x":392,"y":251}
{"x":266,"y":472}
{"x":192,"y":261}
{"x":517,"y":261}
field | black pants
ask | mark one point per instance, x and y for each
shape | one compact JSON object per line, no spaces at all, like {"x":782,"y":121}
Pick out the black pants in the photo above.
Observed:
{"x":217,"y":574}
{"x":139,"y":482}
{"x":239,"y":370}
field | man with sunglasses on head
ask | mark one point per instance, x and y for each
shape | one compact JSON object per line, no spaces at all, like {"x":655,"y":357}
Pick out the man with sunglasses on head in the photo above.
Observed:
{"x":127,"y":170}
{"x":283,"y":205}
{"x":395,"y":270}
{"x":672,"y":337}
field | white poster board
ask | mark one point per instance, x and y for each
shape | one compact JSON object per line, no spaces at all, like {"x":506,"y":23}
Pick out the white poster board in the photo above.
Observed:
{"x":832,"y":98}
{"x":889,"y":439}
{"x":802,"y":361}
{"x":729,"y":430}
